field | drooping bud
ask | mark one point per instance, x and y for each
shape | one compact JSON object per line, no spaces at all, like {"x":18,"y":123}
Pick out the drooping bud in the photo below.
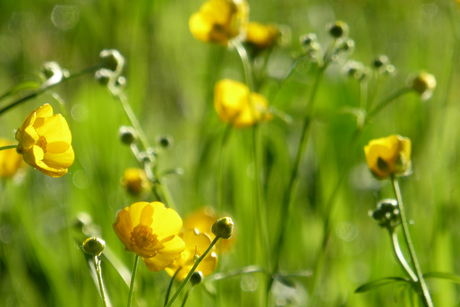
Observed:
{"x":111,"y":59}
{"x":127,"y":135}
{"x":93,"y":246}
{"x":196,"y":278}
{"x":223,"y":228}
{"x":103,"y":76}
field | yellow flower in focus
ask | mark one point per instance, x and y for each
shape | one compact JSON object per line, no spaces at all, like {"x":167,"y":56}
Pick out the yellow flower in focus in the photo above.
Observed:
{"x":236,"y":106}
{"x":218,"y":21}
{"x":150,"y":231}
{"x":194,"y":242}
{"x":10,"y":160}
{"x":202,"y":220}
{"x":389,"y":156}
{"x":44,"y":142}
{"x":262,"y":36}
{"x":135,"y":181}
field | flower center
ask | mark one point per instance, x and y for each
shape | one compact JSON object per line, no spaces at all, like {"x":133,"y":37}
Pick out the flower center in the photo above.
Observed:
{"x":143,"y":238}
{"x":42,"y":143}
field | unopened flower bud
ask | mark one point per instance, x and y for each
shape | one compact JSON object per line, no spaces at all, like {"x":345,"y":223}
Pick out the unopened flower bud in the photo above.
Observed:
{"x":347,"y":45}
{"x":338,"y":29}
{"x":165,"y":141}
{"x":387,"y":213}
{"x":112,"y":60}
{"x":308,"y":39}
{"x":380,"y":61}
{"x":424,"y":84}
{"x":121,"y":81}
{"x":223,"y":228}
{"x":127,"y":135}
{"x":103,"y":76}
{"x":196,"y":278}
{"x":93,"y":246}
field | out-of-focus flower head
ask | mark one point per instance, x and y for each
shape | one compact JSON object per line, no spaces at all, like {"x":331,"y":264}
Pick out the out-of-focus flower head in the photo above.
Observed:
{"x":219,"y":21}
{"x":196,"y":244}
{"x":45,"y":142}
{"x":237,"y":106}
{"x":10,"y":160}
{"x":262,"y":36}
{"x":135,"y":181}
{"x":389,"y":156}
{"x":202,"y":220}
{"x":151,"y":231}
{"x":424,"y":84}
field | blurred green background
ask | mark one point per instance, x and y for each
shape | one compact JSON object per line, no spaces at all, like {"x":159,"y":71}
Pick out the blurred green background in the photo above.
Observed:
{"x":170,"y":80}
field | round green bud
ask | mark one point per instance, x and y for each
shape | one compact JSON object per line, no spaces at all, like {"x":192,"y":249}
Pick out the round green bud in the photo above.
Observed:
{"x":196,"y":278}
{"x":424,"y":84}
{"x":112,"y":59}
{"x":387,"y":213}
{"x":165,"y":141}
{"x":223,"y":228}
{"x":127,"y":135}
{"x":308,"y":39}
{"x":348,"y":45}
{"x":93,"y":246}
{"x":103,"y":76}
{"x":380,"y":61}
{"x":338,"y":29}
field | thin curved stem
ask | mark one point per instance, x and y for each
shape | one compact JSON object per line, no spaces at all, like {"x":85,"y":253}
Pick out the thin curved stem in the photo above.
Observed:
{"x":170,"y":285}
{"x":97,"y":263}
{"x":8,"y":147}
{"x":386,"y":102}
{"x":47,"y":85}
{"x":400,"y":256}
{"x":421,"y":281}
{"x":220,"y":175}
{"x":184,"y":282}
{"x":133,"y":277}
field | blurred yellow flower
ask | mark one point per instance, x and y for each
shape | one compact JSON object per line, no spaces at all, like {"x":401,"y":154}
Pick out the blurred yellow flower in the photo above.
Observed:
{"x":236,"y":106}
{"x":262,"y":36}
{"x":195,"y":242}
{"x":218,"y":21}
{"x":202,"y":220}
{"x":44,"y":142}
{"x":150,"y":231}
{"x":389,"y":156}
{"x":135,"y":181}
{"x":10,"y":160}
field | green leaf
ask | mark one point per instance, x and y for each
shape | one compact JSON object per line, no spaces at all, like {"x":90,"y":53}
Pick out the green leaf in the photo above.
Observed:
{"x":441,"y":275}
{"x":379,"y":283}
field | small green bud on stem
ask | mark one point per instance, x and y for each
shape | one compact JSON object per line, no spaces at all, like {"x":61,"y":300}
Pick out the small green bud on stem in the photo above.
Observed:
{"x":93,"y":246}
{"x":223,"y":228}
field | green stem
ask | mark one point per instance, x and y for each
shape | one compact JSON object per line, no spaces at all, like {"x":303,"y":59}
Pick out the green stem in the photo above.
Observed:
{"x":246,"y":64}
{"x":47,"y":85}
{"x":8,"y":147}
{"x":220,"y":176}
{"x":97,"y":263}
{"x":133,"y":277}
{"x":291,"y":189}
{"x":421,"y":281}
{"x":170,"y":285}
{"x":186,"y":297}
{"x":184,"y":282}
{"x":400,"y":256}
{"x":387,"y":101}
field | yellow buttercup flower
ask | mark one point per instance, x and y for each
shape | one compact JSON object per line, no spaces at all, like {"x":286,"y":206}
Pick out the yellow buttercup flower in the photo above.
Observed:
{"x":218,"y":21}
{"x":202,"y":220}
{"x":389,"y":156}
{"x":44,"y":142}
{"x":10,"y":160}
{"x":150,"y":231}
{"x":262,"y":36}
{"x":195,"y":242}
{"x":135,"y":181}
{"x":236,"y":106}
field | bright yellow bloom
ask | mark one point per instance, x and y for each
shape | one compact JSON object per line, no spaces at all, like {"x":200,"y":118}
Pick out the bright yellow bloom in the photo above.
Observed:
{"x":135,"y":181}
{"x":10,"y":160}
{"x":44,"y":142}
{"x":218,"y":21}
{"x":202,"y":220}
{"x":236,"y":106}
{"x":151,"y":231}
{"x":262,"y":36}
{"x":194,"y":242}
{"x":389,"y":156}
